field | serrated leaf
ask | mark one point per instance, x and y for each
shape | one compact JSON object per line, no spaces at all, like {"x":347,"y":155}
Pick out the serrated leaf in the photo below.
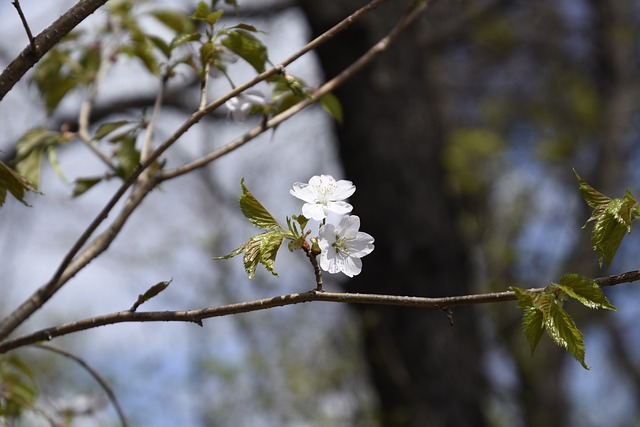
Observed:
{"x":533,"y":326}
{"x":255,"y":212}
{"x":82,"y":185}
{"x":525,"y":297}
{"x":594,"y":198}
{"x":246,"y":46}
{"x":585,"y":290}
{"x":607,"y":236}
{"x":13,"y":182}
{"x":563,"y":330}
{"x":259,"y":249}
{"x":332,"y":105}
{"x":269,"y":246}
{"x":106,"y":128}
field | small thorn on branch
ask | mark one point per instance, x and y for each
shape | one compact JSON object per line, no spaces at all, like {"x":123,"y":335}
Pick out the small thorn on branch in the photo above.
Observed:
{"x":449,"y":313}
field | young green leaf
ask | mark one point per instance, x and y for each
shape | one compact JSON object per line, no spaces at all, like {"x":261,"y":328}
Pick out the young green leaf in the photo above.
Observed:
{"x":613,"y":217}
{"x":246,"y":46}
{"x":532,"y":326}
{"x":82,"y":185}
{"x":30,"y":149}
{"x":525,"y":297}
{"x":177,"y":21}
{"x":204,"y":14}
{"x":259,"y":249}
{"x":585,"y":290}
{"x":106,"y":128}
{"x":16,"y":184}
{"x":563,"y":330}
{"x":255,"y":212}
{"x":332,"y":105}
{"x":128,"y":156}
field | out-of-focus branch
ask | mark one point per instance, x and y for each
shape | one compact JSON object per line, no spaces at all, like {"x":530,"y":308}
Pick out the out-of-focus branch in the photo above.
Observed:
{"x":105,"y":386}
{"x":44,"y":41}
{"x":197,"y":316}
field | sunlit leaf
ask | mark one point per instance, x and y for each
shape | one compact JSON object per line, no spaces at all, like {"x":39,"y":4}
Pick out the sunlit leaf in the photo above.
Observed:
{"x":585,"y":290}
{"x":255,"y":212}
{"x":563,"y":330}
{"x":204,"y":14}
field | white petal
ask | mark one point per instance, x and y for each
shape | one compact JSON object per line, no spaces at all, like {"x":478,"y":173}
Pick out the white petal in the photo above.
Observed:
{"x":340,"y":208}
{"x":313,"y":211}
{"x":352,"y":266}
{"x":343,"y":190}
{"x":361,"y":245}
{"x":349,"y":226}
{"x":304,"y":192}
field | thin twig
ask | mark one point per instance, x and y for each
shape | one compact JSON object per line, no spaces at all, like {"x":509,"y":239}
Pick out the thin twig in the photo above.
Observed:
{"x":197,"y":316}
{"x":25,"y":24}
{"x":45,"y":41}
{"x":105,"y":386}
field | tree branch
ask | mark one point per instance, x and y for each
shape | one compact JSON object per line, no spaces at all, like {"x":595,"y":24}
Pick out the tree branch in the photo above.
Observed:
{"x":103,"y":384}
{"x":44,"y":41}
{"x":197,"y":316}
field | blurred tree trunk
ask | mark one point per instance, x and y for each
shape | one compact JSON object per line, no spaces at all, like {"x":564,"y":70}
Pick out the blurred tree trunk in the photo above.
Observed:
{"x":426,"y":372}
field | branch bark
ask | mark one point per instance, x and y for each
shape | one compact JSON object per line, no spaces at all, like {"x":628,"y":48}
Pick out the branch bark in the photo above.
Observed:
{"x":44,"y":42}
{"x":198,"y":315}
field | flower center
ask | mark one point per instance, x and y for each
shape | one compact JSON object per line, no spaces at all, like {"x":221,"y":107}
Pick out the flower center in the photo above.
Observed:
{"x":341,"y":245}
{"x":325,"y":190}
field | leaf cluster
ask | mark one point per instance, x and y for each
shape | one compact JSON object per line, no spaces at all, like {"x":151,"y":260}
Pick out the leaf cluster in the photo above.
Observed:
{"x":612,"y":218}
{"x":543,"y":311}
{"x":263,"y":248}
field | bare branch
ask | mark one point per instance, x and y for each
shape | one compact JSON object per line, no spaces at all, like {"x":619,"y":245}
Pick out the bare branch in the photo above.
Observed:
{"x":197,"y":316}
{"x":105,"y":386}
{"x":44,"y":41}
{"x":25,"y":24}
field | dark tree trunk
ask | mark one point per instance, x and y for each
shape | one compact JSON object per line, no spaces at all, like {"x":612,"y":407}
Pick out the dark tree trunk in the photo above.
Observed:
{"x":426,"y":372}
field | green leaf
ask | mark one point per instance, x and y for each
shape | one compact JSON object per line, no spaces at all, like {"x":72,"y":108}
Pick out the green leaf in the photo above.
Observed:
{"x":16,"y":184}
{"x":525,"y":297}
{"x":563,"y":330}
{"x":533,"y":326}
{"x":82,"y":185}
{"x":613,"y":217}
{"x":259,"y":249}
{"x":585,"y":290}
{"x":128,"y":156}
{"x":19,"y":390}
{"x":106,"y":128}
{"x":204,"y":14}
{"x":30,"y":149}
{"x":246,"y":46}
{"x":332,"y":105}
{"x":184,"y":38}
{"x":255,"y":212}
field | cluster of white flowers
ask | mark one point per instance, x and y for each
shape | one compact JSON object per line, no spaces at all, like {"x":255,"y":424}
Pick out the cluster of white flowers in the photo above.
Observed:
{"x":341,"y":245}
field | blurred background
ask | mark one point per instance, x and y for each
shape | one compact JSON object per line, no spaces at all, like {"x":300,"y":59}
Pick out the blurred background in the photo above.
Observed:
{"x":461,"y":141}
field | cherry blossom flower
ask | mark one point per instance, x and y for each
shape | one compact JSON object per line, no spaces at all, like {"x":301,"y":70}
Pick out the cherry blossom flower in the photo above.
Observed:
{"x":343,"y":245}
{"x":240,"y":106}
{"x":322,"y":195}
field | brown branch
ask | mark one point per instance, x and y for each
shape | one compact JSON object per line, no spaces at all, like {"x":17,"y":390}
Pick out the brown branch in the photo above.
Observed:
{"x":101,"y":381}
{"x":44,"y":41}
{"x":197,"y":316}
{"x":25,"y":24}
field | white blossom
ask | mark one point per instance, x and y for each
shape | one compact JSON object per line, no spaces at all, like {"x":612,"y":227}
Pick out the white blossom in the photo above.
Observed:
{"x":322,"y":195}
{"x":239,"y":106}
{"x":343,"y":245}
